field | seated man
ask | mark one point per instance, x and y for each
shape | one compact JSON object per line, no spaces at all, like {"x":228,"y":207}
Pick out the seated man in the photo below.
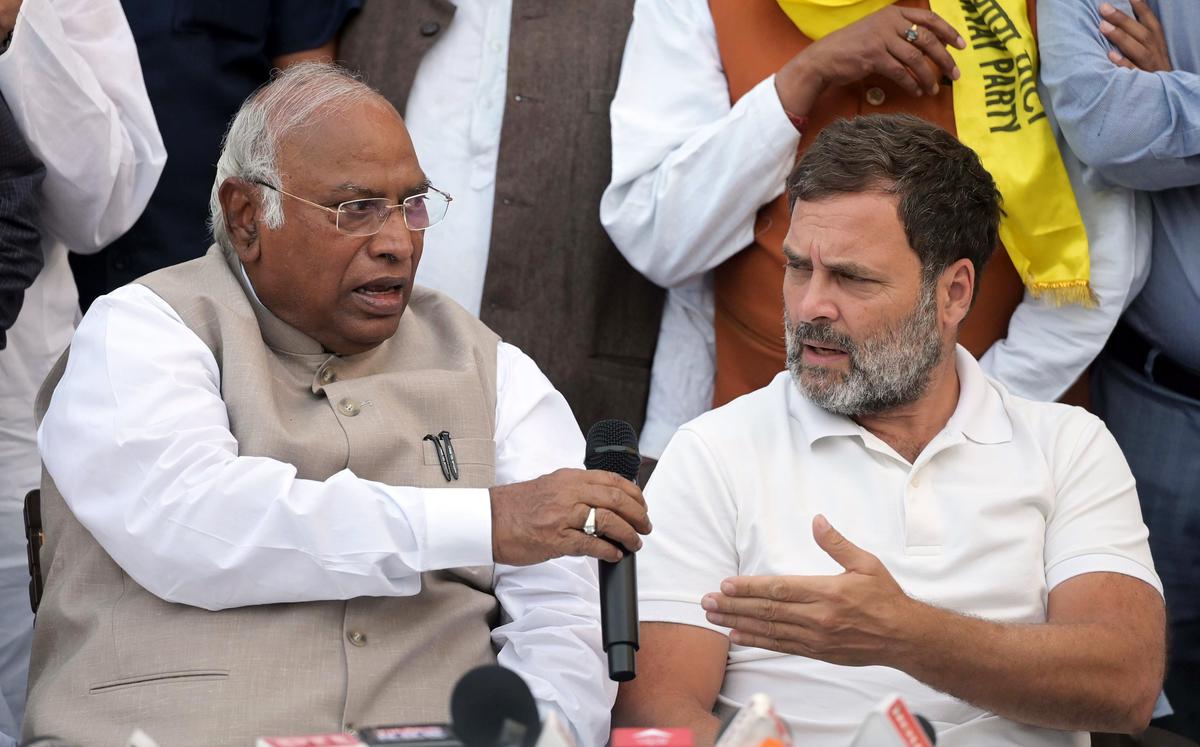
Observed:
{"x":883,"y":517}
{"x":228,"y":551}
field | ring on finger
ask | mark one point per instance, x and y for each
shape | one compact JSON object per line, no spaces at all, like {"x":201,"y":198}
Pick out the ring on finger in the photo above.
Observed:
{"x":912,"y":34}
{"x":589,"y":524}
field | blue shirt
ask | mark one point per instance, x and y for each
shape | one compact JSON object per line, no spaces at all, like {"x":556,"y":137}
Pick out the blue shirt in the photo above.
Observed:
{"x":1139,"y":130}
{"x":200,"y":60}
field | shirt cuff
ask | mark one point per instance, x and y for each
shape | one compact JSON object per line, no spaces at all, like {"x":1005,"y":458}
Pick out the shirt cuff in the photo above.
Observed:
{"x":768,"y":109}
{"x":1099,"y":563}
{"x":458,"y":528}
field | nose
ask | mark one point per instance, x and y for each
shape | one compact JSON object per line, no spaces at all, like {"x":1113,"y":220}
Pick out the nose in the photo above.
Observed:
{"x":394,"y":242}
{"x":816,"y":299}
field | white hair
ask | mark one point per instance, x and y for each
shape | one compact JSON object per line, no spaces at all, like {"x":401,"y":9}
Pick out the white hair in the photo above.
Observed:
{"x":297,"y":97}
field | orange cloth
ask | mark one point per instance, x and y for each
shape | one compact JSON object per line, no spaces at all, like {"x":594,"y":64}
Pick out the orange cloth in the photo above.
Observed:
{"x":756,"y":38}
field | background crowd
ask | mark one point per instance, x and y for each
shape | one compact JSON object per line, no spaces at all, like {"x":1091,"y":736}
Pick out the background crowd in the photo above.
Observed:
{"x":618,"y":172}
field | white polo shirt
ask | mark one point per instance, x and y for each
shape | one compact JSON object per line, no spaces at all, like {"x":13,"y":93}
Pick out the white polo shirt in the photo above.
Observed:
{"x":1010,"y":499}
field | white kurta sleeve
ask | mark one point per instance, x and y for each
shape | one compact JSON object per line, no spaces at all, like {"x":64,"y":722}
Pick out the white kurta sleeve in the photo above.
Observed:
{"x":73,"y":81}
{"x":551,"y":630}
{"x":689,"y":171}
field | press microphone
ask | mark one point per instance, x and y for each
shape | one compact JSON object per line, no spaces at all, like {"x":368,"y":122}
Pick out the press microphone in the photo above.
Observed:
{"x":891,"y":724}
{"x":492,"y":707}
{"x":755,"y":724}
{"x":612,"y":447}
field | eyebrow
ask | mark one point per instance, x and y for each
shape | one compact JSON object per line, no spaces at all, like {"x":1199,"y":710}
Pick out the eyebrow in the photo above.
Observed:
{"x":847,"y":269}
{"x":367,"y":192}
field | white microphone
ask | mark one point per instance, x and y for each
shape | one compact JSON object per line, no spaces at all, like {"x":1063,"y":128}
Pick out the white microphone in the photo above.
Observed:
{"x":756,"y":724}
{"x":891,"y":724}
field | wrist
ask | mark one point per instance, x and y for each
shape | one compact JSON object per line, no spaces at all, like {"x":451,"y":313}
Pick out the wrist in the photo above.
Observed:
{"x":918,"y":630}
{"x":798,"y":84}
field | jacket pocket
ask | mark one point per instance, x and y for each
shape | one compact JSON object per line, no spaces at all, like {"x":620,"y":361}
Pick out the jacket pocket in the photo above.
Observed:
{"x":160,"y":678}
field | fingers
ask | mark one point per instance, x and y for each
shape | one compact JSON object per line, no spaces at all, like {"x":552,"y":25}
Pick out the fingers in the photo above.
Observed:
{"x":1125,"y":33}
{"x":1120,"y":61}
{"x":1146,"y":17}
{"x":847,"y":554}
{"x":913,"y":59}
{"x":935,"y":49}
{"x":945,"y":33}
{"x":615,"y":528}
{"x":800,"y":589}
{"x":595,"y":547}
{"x":618,"y":501}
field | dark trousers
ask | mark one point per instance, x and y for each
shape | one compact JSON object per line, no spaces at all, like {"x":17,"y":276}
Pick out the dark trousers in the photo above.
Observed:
{"x":1159,"y":431}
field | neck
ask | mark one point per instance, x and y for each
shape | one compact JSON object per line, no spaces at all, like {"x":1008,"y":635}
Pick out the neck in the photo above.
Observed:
{"x":909,"y":428}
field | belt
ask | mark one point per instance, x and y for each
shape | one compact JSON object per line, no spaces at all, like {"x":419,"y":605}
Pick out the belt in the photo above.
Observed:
{"x":1133,"y":350}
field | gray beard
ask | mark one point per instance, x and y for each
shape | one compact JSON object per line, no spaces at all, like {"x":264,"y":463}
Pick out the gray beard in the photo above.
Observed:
{"x":886,"y":371}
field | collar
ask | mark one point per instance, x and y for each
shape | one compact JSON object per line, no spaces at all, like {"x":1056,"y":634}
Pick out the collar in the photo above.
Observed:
{"x":981,"y":414}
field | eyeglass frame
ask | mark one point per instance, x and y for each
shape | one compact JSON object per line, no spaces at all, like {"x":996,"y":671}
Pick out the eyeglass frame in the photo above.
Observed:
{"x":391,"y":208}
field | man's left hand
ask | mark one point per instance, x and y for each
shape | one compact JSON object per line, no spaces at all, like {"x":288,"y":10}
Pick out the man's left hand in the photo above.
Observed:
{"x":1141,"y":39}
{"x":855,"y":618}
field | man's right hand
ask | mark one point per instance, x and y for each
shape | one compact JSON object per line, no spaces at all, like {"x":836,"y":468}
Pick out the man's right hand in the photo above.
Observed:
{"x":874,"y":45}
{"x":543,"y":518}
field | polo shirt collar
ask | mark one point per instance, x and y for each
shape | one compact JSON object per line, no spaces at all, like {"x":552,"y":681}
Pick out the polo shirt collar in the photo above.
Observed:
{"x":980,"y":415}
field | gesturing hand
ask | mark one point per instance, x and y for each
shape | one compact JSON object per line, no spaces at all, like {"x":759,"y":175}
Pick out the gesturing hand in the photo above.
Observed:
{"x":543,"y":518}
{"x":854,"y":618}
{"x":1141,"y":40}
{"x":875,"y":44}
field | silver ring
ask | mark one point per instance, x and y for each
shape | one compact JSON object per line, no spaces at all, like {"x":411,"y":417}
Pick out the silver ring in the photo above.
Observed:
{"x":589,"y":524}
{"x":912,"y":34}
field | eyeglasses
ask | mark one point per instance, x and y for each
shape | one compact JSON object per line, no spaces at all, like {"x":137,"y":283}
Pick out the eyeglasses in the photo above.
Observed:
{"x":366,"y":217}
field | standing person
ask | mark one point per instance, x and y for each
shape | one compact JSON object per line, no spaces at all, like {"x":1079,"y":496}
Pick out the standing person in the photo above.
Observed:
{"x":1102,"y":62}
{"x":200,"y":61}
{"x":715,"y":97}
{"x":70,"y":76}
{"x":21,"y":259}
{"x":507,"y":102}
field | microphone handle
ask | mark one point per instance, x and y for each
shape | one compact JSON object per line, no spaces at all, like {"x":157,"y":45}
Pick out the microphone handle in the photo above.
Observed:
{"x":618,"y":613}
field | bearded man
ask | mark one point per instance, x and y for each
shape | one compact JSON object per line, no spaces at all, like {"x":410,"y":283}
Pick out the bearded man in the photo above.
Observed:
{"x":981,"y":554}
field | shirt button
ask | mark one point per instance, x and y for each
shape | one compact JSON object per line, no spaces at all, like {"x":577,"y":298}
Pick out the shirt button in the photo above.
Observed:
{"x":915,"y":482}
{"x":348,"y":408}
{"x":518,"y":98}
{"x":356,"y":638}
{"x":328,"y":376}
{"x":430,"y":28}
{"x":876,"y":96}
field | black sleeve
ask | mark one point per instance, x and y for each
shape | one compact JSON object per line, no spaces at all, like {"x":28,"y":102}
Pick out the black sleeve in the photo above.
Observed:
{"x":299,"y":25}
{"x":21,"y":258}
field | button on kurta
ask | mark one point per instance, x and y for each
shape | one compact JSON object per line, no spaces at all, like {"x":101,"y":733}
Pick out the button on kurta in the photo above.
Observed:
{"x":328,"y":376}
{"x":348,"y":407}
{"x":356,"y":638}
{"x":876,"y":96}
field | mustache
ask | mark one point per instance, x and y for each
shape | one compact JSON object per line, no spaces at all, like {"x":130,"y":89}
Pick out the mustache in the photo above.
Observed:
{"x":823,"y":334}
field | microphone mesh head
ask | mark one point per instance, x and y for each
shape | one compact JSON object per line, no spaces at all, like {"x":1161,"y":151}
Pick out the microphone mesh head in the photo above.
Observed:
{"x":488,"y":702}
{"x":612,"y":447}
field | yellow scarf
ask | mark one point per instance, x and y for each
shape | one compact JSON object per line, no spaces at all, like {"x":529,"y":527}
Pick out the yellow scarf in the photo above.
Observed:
{"x":998,"y":114}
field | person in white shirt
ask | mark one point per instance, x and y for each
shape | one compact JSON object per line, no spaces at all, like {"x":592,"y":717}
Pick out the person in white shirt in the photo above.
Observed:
{"x":314,"y":169}
{"x":690,"y":172}
{"x":71,"y":77}
{"x":885,"y":518}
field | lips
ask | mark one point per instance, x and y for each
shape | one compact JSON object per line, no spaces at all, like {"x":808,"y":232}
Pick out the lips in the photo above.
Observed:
{"x":825,"y":348}
{"x":382,"y":296}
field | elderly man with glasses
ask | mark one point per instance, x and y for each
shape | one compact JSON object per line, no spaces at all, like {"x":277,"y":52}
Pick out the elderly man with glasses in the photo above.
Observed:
{"x":289,"y":492}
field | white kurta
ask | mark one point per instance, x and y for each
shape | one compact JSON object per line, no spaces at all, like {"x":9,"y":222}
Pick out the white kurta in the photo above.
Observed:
{"x":73,"y":82}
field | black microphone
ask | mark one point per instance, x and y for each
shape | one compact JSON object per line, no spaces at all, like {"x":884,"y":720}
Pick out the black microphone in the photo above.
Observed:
{"x":612,"y":447}
{"x":492,"y":707}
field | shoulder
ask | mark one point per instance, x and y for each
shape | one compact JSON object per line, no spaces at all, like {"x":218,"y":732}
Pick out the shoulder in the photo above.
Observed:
{"x":1055,"y":428}
{"x":753,"y":418}
{"x":431,"y":308}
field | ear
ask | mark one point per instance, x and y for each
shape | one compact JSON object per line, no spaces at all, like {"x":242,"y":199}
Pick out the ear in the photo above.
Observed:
{"x":956,"y":289}
{"x":239,"y":203}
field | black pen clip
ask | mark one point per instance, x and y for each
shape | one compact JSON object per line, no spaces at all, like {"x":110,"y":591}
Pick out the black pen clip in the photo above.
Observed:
{"x":445,"y":436}
{"x":443,"y":462}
